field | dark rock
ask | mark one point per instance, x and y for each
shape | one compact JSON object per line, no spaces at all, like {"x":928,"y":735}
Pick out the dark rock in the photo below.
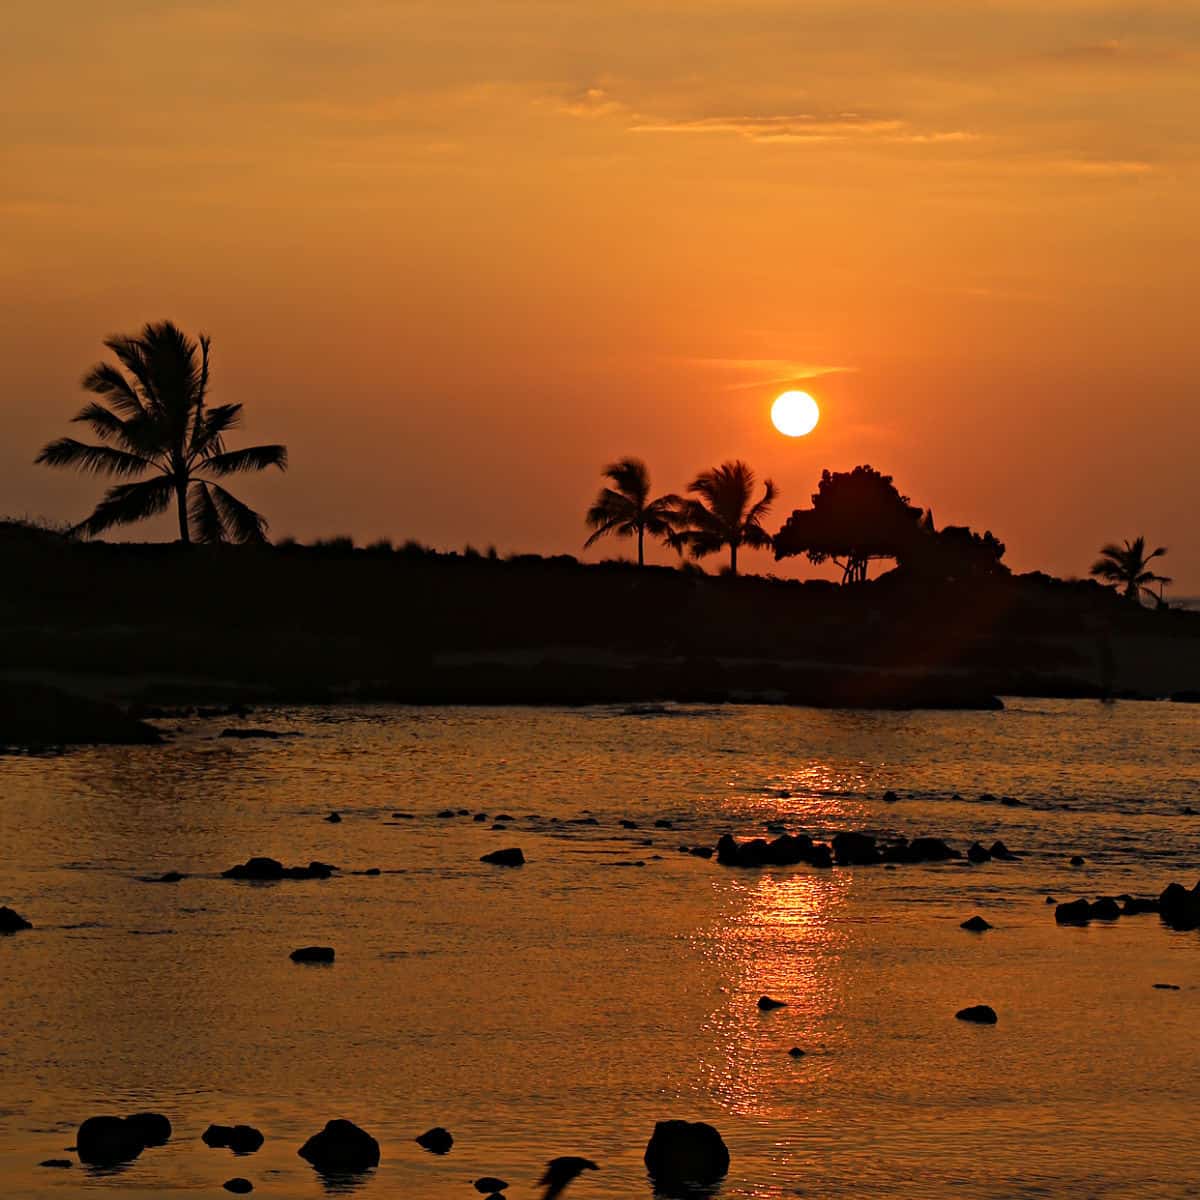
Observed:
{"x":701,"y":851}
{"x":489,"y":1185}
{"x":402,"y":816}
{"x":1104,"y":909}
{"x":796,"y":1052}
{"x":261,"y":734}
{"x":930,"y":849}
{"x":1136,"y":905}
{"x":981,"y":1014}
{"x":890,"y":797}
{"x":269,"y":870}
{"x":241,"y":1139}
{"x":560,"y":1171}
{"x":239,"y":1185}
{"x":680,"y":1153}
{"x":171,"y":877}
{"x":987,"y":798}
{"x":999,"y":850}
{"x":105,"y":1141}
{"x":767,"y":1004}
{"x":436,"y":1140}
{"x":1179,"y":908}
{"x":977,"y":854}
{"x":341,"y":1147}
{"x":153,"y":1128}
{"x":12,"y":922}
{"x":55,"y":1162}
{"x":480,"y":817}
{"x":1012,"y":802}
{"x":821,"y":856}
{"x":35,"y":715}
{"x":1166,"y":987}
{"x":583,"y":821}
{"x":663,"y":823}
{"x":506,"y":817}
{"x":372,"y":871}
{"x":1051,"y":900}
{"x":855,"y":850}
{"x":1078,"y":860}
{"x":975,"y":924}
{"x":446,"y":814}
{"x":334,"y":818}
{"x":1074,"y":912}
{"x":512,"y":857}
{"x":626,"y":824}
{"x":312,"y":954}
{"x":464,"y":812}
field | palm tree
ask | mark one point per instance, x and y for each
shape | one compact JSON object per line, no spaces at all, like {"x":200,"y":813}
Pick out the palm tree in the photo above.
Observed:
{"x":1127,"y":567}
{"x":154,"y":422}
{"x":625,"y":509}
{"x":724,"y":515}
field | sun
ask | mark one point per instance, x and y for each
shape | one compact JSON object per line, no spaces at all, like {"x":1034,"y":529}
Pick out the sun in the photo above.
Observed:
{"x":795,"y":413}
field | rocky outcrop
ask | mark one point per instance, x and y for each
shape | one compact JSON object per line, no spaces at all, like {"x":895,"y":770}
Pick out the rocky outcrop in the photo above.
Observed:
{"x":341,"y":1147}
{"x":511,"y":857}
{"x":979,"y":1014}
{"x":12,"y":922}
{"x":1178,"y":907}
{"x":312,"y":954}
{"x":976,"y":924}
{"x":34,"y":715}
{"x":269,"y":870}
{"x":686,"y":1153}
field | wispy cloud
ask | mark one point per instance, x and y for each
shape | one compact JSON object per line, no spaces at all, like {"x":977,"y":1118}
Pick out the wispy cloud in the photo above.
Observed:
{"x":766,"y":371}
{"x":793,"y":128}
{"x":1102,"y":168}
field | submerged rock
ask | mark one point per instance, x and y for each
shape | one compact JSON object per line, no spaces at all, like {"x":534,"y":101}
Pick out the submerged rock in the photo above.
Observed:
{"x":980,"y":1014}
{"x":976,"y":924}
{"x":241,"y":1139}
{"x":334,"y":818}
{"x":1074,"y":912}
{"x":999,"y":850}
{"x":12,"y":922}
{"x":1136,"y":905}
{"x":796,"y":1052}
{"x":1104,"y":909}
{"x":312,"y":954}
{"x":268,"y":870}
{"x":341,"y":1146}
{"x":238,"y":1185}
{"x":511,"y":857}
{"x":680,"y":1153}
{"x":1078,"y":860}
{"x":106,"y":1141}
{"x":436,"y":1140}
{"x":56,"y":1162}
{"x":977,"y":854}
{"x":488,"y":1185}
{"x":1166,"y":987}
{"x":256,"y":734}
{"x":769,"y":1004}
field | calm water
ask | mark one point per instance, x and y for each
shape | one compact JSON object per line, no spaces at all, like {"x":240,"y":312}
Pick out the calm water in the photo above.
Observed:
{"x":564,"y":1007}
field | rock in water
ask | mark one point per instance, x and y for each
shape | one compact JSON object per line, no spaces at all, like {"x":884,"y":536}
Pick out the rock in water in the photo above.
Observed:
{"x":341,"y":1146}
{"x":238,"y":1185}
{"x":153,"y":1128}
{"x":268,"y":870}
{"x":106,"y":1141}
{"x":436,"y":1140}
{"x":1074,"y":912}
{"x":1104,"y":909}
{"x":975,"y":924}
{"x":312,"y":954}
{"x":56,"y":1162}
{"x":685,"y":1152}
{"x":977,"y":854}
{"x":981,"y":1014}
{"x":767,"y":1004}
{"x":33,"y":714}
{"x":512,"y":857}
{"x":1002,"y":852}
{"x":489,"y":1184}
{"x":796,"y":1052}
{"x":12,"y":922}
{"x":334,"y":818}
{"x":241,"y":1139}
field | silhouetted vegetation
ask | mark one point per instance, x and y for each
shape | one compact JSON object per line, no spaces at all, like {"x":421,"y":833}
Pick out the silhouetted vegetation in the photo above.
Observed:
{"x":152,"y":420}
{"x":725,"y":513}
{"x":626,"y":510}
{"x":1127,"y":567}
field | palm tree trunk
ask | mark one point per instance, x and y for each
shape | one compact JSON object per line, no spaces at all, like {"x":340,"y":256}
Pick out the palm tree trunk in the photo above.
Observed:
{"x":733,"y":558}
{"x":641,"y":552}
{"x":181,"y":505}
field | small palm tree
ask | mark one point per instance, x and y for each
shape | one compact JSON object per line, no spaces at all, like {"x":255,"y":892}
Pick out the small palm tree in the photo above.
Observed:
{"x":156,"y":424}
{"x":1127,"y":567}
{"x":625,"y":509}
{"x":724,"y":514}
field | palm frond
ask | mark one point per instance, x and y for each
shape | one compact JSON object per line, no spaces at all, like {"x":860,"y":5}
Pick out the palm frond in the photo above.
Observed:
{"x":105,"y":380}
{"x":242,"y":523}
{"x":210,"y":427}
{"x":632,"y":478}
{"x":98,"y":460}
{"x":617,"y":525}
{"x":203,"y":518}
{"x":253,"y":458}
{"x":127,"y":503}
{"x":104,"y":422}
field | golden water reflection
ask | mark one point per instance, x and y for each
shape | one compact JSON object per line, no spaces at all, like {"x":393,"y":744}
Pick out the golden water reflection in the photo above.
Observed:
{"x":782,"y":935}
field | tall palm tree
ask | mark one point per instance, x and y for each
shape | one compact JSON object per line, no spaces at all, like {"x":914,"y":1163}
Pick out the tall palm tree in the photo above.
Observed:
{"x":724,"y":514}
{"x":154,"y":422}
{"x":625,"y":509}
{"x":1128,"y":566}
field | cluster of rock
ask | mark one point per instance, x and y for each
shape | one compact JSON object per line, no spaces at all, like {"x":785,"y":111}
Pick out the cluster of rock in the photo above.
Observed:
{"x":11,"y":921}
{"x":241,"y":1139}
{"x":847,"y":850}
{"x":1178,"y":907}
{"x":269,"y":869}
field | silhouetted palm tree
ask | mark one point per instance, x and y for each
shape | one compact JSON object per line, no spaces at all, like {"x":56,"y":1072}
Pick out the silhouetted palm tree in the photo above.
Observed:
{"x":156,"y":423}
{"x":1127,"y":567}
{"x":724,"y":515}
{"x":627,"y":510}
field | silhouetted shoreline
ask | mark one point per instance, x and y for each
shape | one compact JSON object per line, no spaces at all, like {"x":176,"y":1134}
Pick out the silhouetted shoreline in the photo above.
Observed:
{"x":166,"y":624}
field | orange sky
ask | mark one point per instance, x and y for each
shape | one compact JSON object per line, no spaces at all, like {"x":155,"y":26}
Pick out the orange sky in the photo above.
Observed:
{"x":458,"y":255}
